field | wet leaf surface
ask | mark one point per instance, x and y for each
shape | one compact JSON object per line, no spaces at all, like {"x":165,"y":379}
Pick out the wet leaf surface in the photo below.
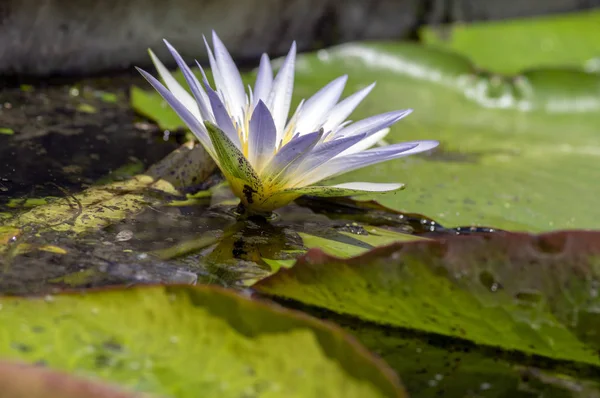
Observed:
{"x":179,"y":341}
{"x":530,"y":298}
{"x":504,"y":159}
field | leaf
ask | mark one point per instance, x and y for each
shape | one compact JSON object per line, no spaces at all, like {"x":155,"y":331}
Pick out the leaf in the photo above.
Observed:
{"x":533,"y":294}
{"x":505,"y":159}
{"x":154,"y":109}
{"x":181,"y":341}
{"x":433,"y":366}
{"x":348,"y":244}
{"x":20,"y":381}
{"x":567,"y":40}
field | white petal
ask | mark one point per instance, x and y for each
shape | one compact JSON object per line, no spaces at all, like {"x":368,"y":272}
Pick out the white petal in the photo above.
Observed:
{"x":188,"y":118}
{"x":233,"y":87}
{"x":370,"y":186}
{"x":290,"y":128}
{"x":373,"y":124}
{"x":344,"y":164}
{"x":341,"y":111}
{"x":281,"y":92}
{"x":316,"y":107}
{"x":219,"y":82}
{"x":199,"y":94}
{"x":174,"y":87}
{"x":264,"y":80}
{"x":366,"y":142}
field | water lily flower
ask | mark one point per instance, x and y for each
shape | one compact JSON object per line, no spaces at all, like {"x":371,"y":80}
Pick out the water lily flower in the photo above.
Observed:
{"x":268,"y":159}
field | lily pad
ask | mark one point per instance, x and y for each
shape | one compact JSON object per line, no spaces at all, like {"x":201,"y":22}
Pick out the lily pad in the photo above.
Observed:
{"x":514,"y":293}
{"x":184,"y":341}
{"x":505,"y":160}
{"x":567,"y":40}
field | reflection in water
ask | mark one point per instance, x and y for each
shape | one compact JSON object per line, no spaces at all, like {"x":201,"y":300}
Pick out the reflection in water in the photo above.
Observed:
{"x":60,"y":148}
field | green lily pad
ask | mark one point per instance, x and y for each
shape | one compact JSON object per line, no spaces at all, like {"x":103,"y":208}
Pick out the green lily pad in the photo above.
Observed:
{"x":567,"y":40}
{"x":516,"y":152}
{"x":525,"y":295}
{"x":184,"y":341}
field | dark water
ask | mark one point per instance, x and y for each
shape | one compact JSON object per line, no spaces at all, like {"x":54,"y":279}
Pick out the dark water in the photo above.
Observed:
{"x":66,"y":138}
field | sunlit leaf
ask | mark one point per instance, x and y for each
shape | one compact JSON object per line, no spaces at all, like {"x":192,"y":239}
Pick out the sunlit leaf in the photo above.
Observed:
{"x":531,"y":294}
{"x":185,"y":341}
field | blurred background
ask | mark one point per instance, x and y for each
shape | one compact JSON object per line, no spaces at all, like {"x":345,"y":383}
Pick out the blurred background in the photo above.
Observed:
{"x":66,"y":37}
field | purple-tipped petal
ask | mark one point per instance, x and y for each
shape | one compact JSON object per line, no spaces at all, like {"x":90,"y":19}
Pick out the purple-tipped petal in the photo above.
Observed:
{"x":367,"y":142}
{"x":195,"y":125}
{"x":197,"y":90}
{"x":173,"y":85}
{"x":290,"y":152}
{"x":262,"y":136}
{"x":344,"y":108}
{"x":344,"y":164}
{"x":281,"y":92}
{"x":264,"y":80}
{"x":322,"y":153}
{"x":223,"y":118}
{"x":316,"y":107}
{"x":373,"y":124}
{"x":233,"y":85}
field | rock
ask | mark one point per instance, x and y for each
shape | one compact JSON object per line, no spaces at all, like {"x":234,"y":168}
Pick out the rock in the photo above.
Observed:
{"x":46,"y":37}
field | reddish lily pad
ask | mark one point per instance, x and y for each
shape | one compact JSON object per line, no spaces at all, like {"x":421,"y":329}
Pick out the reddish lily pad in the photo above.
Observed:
{"x":27,"y":381}
{"x":532,"y":294}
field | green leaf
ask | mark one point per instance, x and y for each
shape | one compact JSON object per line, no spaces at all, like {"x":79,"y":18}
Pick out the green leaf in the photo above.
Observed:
{"x":185,"y":341}
{"x":536,"y":295}
{"x":571,"y":40}
{"x":517,"y":152}
{"x":347,"y":244}
{"x":155,"y":108}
